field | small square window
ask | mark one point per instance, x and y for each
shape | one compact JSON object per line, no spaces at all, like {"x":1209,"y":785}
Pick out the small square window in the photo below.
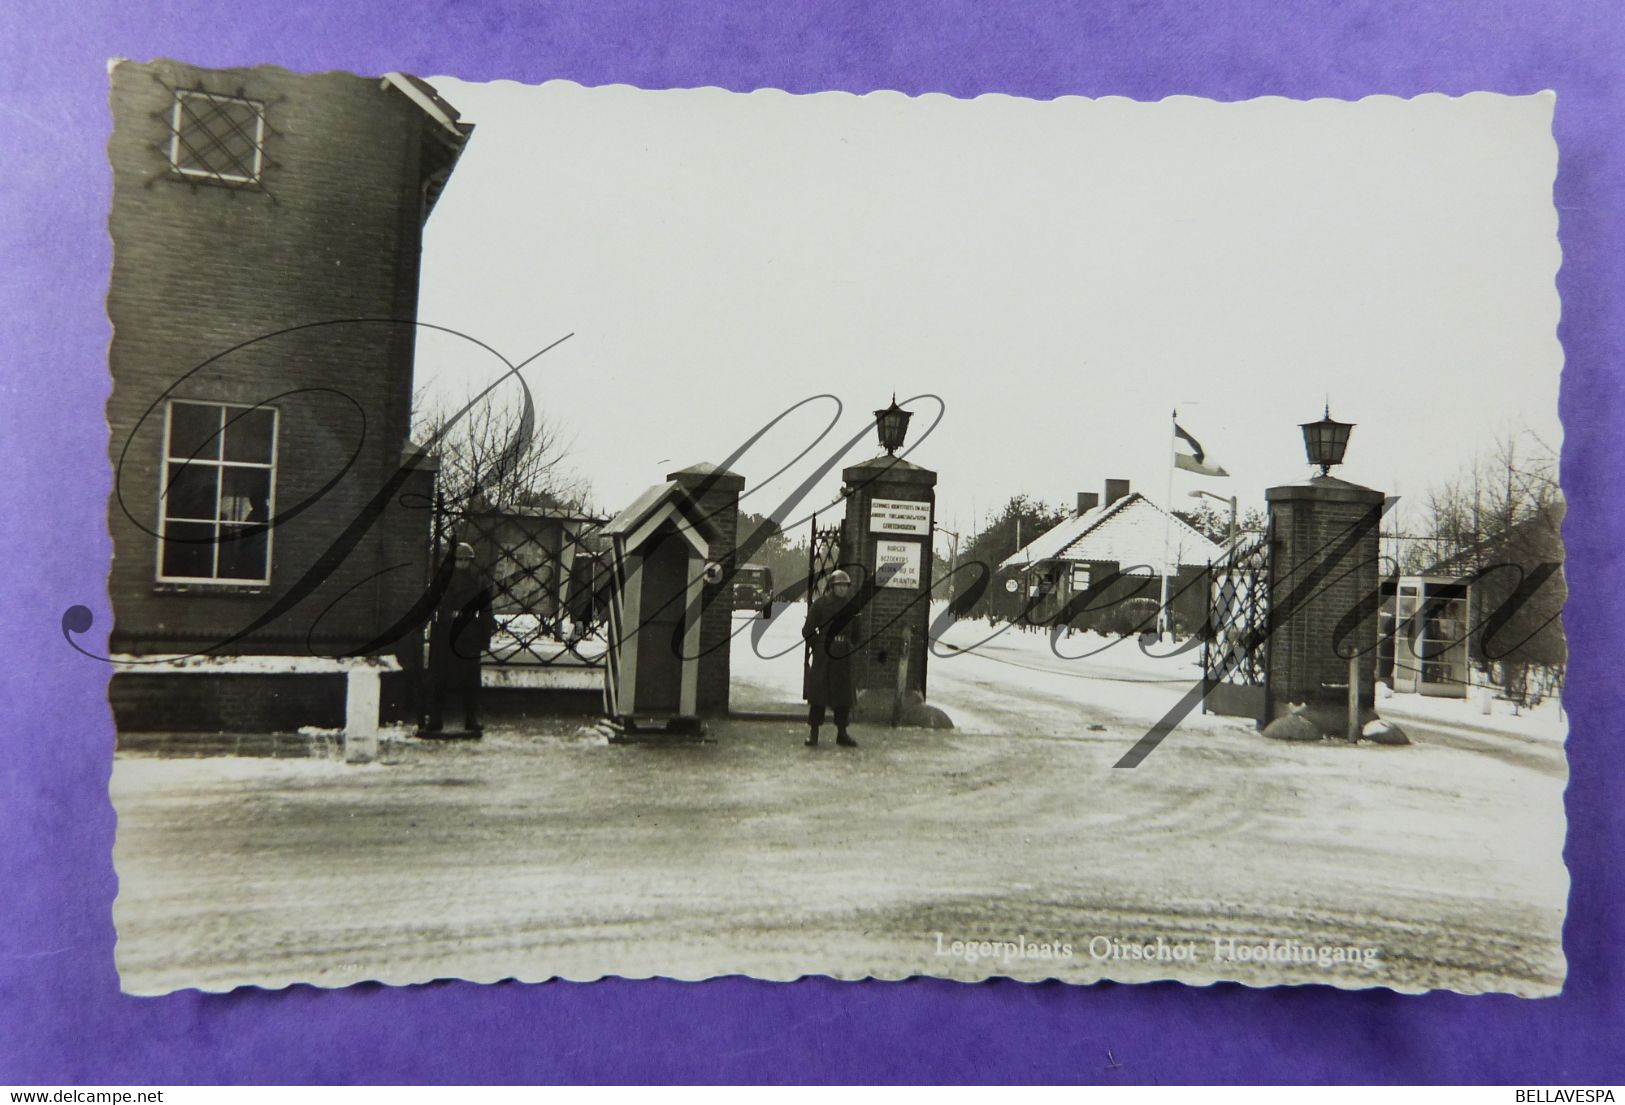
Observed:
{"x":218,"y":138}
{"x":215,"y":503}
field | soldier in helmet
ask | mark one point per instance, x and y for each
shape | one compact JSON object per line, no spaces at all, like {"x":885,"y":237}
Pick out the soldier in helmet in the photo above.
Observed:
{"x":458,"y":637}
{"x":831,"y":634}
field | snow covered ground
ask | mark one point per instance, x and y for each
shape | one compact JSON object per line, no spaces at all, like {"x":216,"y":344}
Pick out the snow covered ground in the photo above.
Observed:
{"x":521,"y":639}
{"x":544,"y":851}
{"x":1130,"y":675}
{"x":1545,"y":722}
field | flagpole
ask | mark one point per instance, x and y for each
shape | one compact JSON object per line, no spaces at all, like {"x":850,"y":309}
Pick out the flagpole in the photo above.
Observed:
{"x":1164,"y":622}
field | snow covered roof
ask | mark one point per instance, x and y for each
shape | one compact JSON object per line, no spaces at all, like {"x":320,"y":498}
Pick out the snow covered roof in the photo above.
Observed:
{"x":1128,"y":532}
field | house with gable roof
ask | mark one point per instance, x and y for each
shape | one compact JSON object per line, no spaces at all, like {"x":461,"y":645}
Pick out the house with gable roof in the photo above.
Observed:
{"x":1115,"y":547}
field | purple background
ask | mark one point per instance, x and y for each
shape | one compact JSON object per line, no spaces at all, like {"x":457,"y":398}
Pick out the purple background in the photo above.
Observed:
{"x":62,"y":1019}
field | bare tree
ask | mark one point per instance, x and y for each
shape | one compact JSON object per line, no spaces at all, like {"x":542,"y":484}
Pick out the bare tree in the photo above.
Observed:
{"x":1469,"y":518}
{"x":497,"y":457}
{"x":1499,"y":522}
{"x":1214,"y":522}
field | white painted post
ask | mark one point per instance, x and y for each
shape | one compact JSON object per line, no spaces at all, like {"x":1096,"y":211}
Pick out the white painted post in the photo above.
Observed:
{"x":902,"y":676}
{"x":1354,"y":698}
{"x":361,"y":687}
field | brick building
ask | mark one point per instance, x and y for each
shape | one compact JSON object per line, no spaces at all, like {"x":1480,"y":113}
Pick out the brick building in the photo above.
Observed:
{"x":266,"y":229}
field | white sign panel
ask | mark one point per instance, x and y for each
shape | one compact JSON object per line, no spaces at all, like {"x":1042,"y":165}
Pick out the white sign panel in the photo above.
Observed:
{"x":897,"y":564}
{"x":899,"y":516}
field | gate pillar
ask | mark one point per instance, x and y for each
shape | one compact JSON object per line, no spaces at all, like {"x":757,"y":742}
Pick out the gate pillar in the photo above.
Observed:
{"x":715,"y":491}
{"x":890,"y":514}
{"x":1323,"y":586}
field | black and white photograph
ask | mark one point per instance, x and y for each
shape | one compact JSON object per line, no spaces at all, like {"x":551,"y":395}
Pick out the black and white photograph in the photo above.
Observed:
{"x":569,"y":532}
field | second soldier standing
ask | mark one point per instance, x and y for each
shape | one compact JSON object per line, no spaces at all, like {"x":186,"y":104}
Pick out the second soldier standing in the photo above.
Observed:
{"x":831,"y":634}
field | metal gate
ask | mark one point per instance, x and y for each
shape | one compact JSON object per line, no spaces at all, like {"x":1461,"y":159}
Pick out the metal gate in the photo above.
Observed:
{"x":1235,"y":650}
{"x":823,"y":555}
{"x":549,"y":575}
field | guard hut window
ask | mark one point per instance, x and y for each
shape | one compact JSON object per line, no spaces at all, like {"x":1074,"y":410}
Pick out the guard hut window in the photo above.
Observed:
{"x":218,"y":482}
{"x":217,"y":138}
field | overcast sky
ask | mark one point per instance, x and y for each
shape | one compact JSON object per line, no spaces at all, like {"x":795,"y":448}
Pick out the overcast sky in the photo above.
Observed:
{"x":1062,"y":274}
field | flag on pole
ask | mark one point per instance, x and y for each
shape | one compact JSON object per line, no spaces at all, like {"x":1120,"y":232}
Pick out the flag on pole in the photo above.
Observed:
{"x":1196,"y":459}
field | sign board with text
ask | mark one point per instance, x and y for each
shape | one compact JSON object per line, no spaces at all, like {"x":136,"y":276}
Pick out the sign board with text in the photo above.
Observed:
{"x":900,"y":516}
{"x":897,"y":564}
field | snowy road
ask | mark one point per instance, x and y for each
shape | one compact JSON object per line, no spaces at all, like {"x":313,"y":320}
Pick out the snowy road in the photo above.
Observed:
{"x":534,"y":854}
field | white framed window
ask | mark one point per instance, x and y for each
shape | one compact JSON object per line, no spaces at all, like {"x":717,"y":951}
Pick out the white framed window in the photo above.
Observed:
{"x":217,"y":486}
{"x":218,"y":138}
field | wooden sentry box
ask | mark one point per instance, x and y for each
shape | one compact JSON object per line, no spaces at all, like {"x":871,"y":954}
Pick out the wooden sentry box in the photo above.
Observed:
{"x":662,"y":546}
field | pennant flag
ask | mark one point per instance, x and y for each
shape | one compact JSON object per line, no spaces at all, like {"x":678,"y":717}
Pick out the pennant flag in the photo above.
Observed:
{"x":1196,"y":459}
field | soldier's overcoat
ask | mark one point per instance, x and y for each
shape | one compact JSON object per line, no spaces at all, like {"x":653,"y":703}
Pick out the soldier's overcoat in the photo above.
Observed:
{"x":832,"y":631}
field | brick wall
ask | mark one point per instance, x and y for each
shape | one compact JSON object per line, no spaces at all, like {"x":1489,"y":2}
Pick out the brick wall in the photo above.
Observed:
{"x":1311,"y":529}
{"x":213,"y":295}
{"x":196,"y":702}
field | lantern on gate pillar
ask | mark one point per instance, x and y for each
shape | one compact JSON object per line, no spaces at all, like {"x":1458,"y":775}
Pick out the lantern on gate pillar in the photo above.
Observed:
{"x":892,"y":426}
{"x":1326,"y":440}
